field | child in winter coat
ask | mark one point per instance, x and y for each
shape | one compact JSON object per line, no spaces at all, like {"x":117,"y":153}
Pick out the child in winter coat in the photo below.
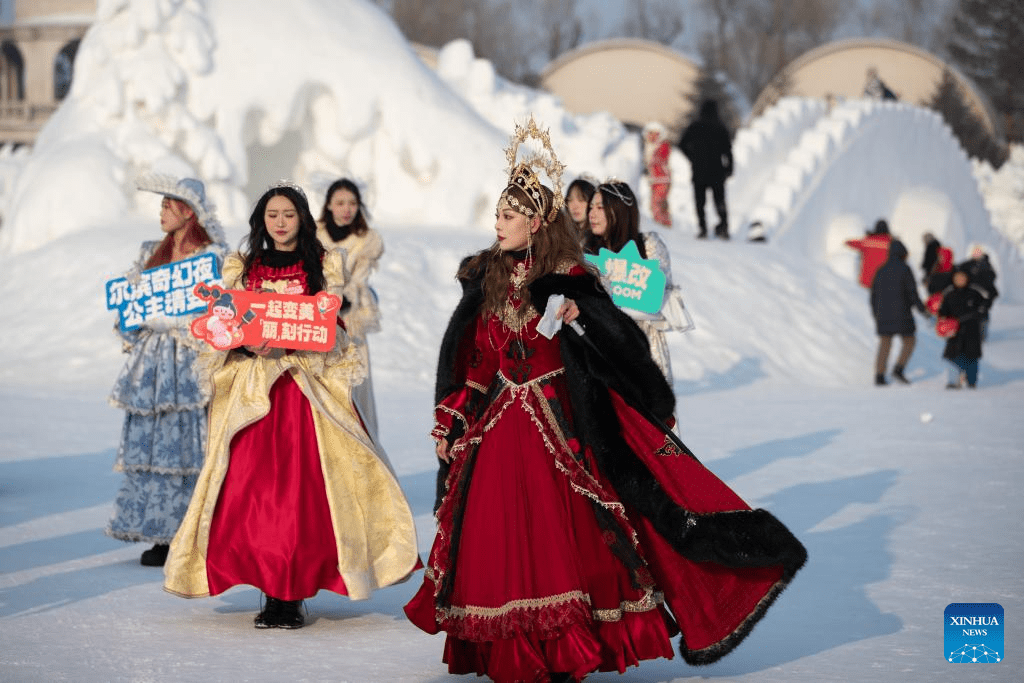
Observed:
{"x":968,"y":304}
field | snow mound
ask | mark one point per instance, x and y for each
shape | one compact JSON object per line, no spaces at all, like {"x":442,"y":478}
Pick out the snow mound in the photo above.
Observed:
{"x":334,"y":90}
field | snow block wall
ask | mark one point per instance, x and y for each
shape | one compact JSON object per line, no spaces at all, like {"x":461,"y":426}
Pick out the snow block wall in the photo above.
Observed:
{"x":760,"y":148}
{"x":595,"y":144}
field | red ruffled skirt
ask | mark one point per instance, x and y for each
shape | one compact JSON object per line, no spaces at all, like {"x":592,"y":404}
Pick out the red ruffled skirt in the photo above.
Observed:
{"x":272,"y":525}
{"x":537,"y":588}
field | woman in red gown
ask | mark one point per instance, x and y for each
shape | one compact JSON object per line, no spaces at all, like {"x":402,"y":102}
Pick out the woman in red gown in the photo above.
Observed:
{"x":575,"y":532}
{"x":294,"y":495}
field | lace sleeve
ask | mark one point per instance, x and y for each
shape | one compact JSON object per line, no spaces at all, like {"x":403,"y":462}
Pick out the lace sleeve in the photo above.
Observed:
{"x":656,"y":249}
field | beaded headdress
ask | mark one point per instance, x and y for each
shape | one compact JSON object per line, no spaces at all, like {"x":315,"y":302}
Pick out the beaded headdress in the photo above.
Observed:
{"x":523,"y":175}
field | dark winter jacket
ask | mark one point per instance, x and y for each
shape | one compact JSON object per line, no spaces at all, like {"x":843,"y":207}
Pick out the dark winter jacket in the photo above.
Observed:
{"x":894,"y":294}
{"x":706,"y":143}
{"x":938,"y":282}
{"x":981,"y":273}
{"x":931,"y":255}
{"x":969,"y":305}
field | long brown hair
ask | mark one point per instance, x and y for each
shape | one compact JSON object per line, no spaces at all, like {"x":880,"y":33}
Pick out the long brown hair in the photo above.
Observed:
{"x":195,"y":237}
{"x":555,"y":246}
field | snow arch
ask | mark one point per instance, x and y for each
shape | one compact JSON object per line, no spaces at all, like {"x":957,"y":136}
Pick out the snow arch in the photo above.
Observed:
{"x":866,"y":160}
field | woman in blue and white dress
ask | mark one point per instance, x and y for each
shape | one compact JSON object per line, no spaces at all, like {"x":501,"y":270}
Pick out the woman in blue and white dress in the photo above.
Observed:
{"x":612,"y":221}
{"x":164,"y":434}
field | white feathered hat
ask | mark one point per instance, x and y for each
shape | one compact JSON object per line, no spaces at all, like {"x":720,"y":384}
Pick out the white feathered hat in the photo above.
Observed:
{"x":190,"y":191}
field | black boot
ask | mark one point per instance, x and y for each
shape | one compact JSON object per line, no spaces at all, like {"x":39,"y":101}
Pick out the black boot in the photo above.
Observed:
{"x":559,"y":677}
{"x":880,"y":381}
{"x":290,"y":614}
{"x":722,"y":231}
{"x":268,"y":616}
{"x":897,"y":372}
{"x":155,"y":556}
{"x":702,"y":234}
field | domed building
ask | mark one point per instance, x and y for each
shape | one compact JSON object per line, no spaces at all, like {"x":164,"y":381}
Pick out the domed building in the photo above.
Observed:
{"x":636,"y":81}
{"x":845,"y":69}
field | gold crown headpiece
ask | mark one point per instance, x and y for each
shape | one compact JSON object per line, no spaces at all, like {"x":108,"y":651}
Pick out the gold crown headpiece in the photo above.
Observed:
{"x":523,"y":176}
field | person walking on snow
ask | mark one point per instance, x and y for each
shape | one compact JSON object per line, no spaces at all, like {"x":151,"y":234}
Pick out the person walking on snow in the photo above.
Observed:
{"x":893,"y":295}
{"x":874,"y":250}
{"x":968,"y":303}
{"x":706,"y":143}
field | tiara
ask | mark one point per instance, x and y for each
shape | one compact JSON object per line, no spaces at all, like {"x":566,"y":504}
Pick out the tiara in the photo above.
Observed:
{"x":523,"y":176}
{"x":618,"y":188}
{"x":290,"y":185}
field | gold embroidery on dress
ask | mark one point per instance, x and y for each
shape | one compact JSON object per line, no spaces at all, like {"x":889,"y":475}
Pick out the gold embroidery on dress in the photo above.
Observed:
{"x":531,"y":382}
{"x":565,"y":266}
{"x":474,"y":385}
{"x":513,"y":605}
{"x":618,"y":508}
{"x":453,"y":413}
{"x":668,"y":448}
{"x":650,"y":601}
{"x":514,"y":315}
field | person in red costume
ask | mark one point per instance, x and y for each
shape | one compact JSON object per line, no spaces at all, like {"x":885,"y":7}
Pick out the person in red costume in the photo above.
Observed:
{"x":294,"y":495}
{"x":576,"y":533}
{"x":874,"y":250}
{"x":656,"y":153}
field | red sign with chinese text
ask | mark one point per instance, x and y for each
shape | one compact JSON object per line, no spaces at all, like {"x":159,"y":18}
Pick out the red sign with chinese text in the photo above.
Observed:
{"x":288,"y":321}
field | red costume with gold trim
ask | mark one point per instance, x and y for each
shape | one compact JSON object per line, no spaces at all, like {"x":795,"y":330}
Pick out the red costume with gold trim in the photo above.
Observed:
{"x":575,"y":532}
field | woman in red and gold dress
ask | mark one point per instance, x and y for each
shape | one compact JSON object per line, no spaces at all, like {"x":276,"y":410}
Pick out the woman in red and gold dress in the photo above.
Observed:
{"x":294,"y":495}
{"x":575,"y":532}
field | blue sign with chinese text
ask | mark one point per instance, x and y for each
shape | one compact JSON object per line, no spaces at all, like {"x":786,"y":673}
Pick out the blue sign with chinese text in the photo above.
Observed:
{"x":162,"y":291}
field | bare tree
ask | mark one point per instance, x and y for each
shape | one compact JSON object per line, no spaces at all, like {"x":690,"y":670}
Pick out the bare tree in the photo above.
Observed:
{"x":564,"y":27}
{"x":657,"y":20}
{"x":753,"y":40}
{"x":913,"y":21}
{"x":518,"y":38}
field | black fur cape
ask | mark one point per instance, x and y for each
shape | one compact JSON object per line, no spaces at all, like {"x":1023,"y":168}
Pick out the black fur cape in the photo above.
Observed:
{"x":593,"y":364}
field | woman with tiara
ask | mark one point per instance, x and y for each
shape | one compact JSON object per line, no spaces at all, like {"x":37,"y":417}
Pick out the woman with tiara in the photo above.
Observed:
{"x":164,"y":432}
{"x":613,"y":221}
{"x":343,"y":225}
{"x":294,"y":495}
{"x":575,"y":532}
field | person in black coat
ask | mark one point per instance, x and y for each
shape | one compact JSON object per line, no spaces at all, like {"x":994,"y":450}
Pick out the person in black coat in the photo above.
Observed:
{"x":707,"y":145}
{"x":968,"y":303}
{"x":979,"y":270}
{"x":931,"y":255}
{"x":893,"y":295}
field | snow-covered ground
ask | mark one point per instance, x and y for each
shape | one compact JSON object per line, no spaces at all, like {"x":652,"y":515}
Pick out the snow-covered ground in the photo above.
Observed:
{"x":900,"y":516}
{"x":906,"y":497}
